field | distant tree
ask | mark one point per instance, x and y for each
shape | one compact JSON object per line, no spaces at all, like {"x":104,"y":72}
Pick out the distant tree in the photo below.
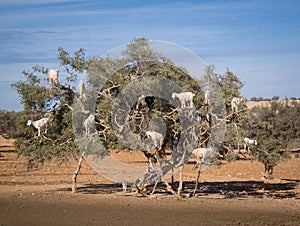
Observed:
{"x":253,"y":99}
{"x":269,"y":154}
{"x":279,"y":121}
{"x":8,"y":124}
{"x":275,"y":98}
{"x":277,"y":129}
{"x":260,"y":98}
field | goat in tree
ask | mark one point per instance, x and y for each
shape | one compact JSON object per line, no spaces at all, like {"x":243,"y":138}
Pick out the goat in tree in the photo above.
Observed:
{"x":39,"y":124}
{"x":183,"y":98}
{"x":89,"y":123}
{"x":235,"y":104}
{"x":200,"y":153}
{"x":249,"y":142}
{"x":157,"y":138}
{"x":53,"y":76}
{"x":207,"y":98}
{"x":81,"y":89}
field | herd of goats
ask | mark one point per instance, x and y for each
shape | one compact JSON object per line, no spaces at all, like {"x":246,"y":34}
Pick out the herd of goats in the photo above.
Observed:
{"x":185,"y":99}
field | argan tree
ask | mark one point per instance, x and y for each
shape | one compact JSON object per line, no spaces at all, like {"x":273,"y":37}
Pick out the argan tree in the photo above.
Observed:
{"x":269,"y":154}
{"x":277,"y":129}
{"x":106,"y":78}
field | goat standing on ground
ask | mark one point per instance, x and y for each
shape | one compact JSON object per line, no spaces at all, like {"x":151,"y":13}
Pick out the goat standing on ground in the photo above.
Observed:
{"x":183,"y":98}
{"x":249,"y":142}
{"x":89,"y":123}
{"x":53,"y":76}
{"x":39,"y":124}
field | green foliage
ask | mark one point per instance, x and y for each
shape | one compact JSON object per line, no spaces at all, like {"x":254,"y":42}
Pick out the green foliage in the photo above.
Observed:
{"x":110,"y":77}
{"x":280,"y":120}
{"x":231,"y":157}
{"x":277,"y":128}
{"x":230,"y":86}
{"x":39,"y":99}
{"x":270,"y":154}
{"x":8,"y":124}
{"x":34,"y":96}
{"x":141,"y":62}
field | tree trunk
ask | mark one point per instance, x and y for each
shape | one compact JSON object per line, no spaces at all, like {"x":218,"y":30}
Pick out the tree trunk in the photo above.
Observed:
{"x":74,"y":179}
{"x":268,"y":172}
{"x":197,"y":179}
{"x":237,"y":136}
{"x":180,"y":187}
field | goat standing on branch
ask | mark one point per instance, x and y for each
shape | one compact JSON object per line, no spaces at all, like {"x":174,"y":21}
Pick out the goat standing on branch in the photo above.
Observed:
{"x":89,"y":123}
{"x":157,"y":138}
{"x":183,"y":98}
{"x":39,"y":124}
{"x":207,"y":98}
{"x":81,"y":89}
{"x":235,"y":104}
{"x":200,"y":153}
{"x":249,"y":142}
{"x":53,"y":76}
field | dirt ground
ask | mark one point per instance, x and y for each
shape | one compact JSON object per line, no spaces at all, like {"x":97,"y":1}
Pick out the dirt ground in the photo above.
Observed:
{"x":229,"y":194}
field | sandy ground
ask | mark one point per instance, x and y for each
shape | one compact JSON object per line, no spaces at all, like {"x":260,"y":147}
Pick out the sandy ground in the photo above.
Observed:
{"x":229,"y":194}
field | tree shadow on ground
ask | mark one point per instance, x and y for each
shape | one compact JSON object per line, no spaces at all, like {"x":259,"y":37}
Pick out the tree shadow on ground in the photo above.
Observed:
{"x":228,"y":189}
{"x":244,"y":189}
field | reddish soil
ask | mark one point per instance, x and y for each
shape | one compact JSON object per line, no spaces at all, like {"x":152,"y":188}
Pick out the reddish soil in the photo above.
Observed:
{"x":229,"y":194}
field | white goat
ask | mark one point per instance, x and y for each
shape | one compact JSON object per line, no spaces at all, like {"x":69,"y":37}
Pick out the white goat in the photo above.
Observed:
{"x":200,"y":153}
{"x":235,"y":104}
{"x":89,"y":123}
{"x":53,"y":76}
{"x":157,"y":138}
{"x":249,"y":142}
{"x":183,"y":98}
{"x":39,"y":124}
{"x":207,"y":97}
{"x":81,"y":89}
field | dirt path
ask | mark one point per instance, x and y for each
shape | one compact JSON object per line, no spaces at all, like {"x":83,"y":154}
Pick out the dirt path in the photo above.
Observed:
{"x":26,"y":206}
{"x":231,"y":194}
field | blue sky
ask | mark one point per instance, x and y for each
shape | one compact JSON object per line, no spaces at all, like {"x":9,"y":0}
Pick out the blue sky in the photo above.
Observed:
{"x":258,"y":40}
